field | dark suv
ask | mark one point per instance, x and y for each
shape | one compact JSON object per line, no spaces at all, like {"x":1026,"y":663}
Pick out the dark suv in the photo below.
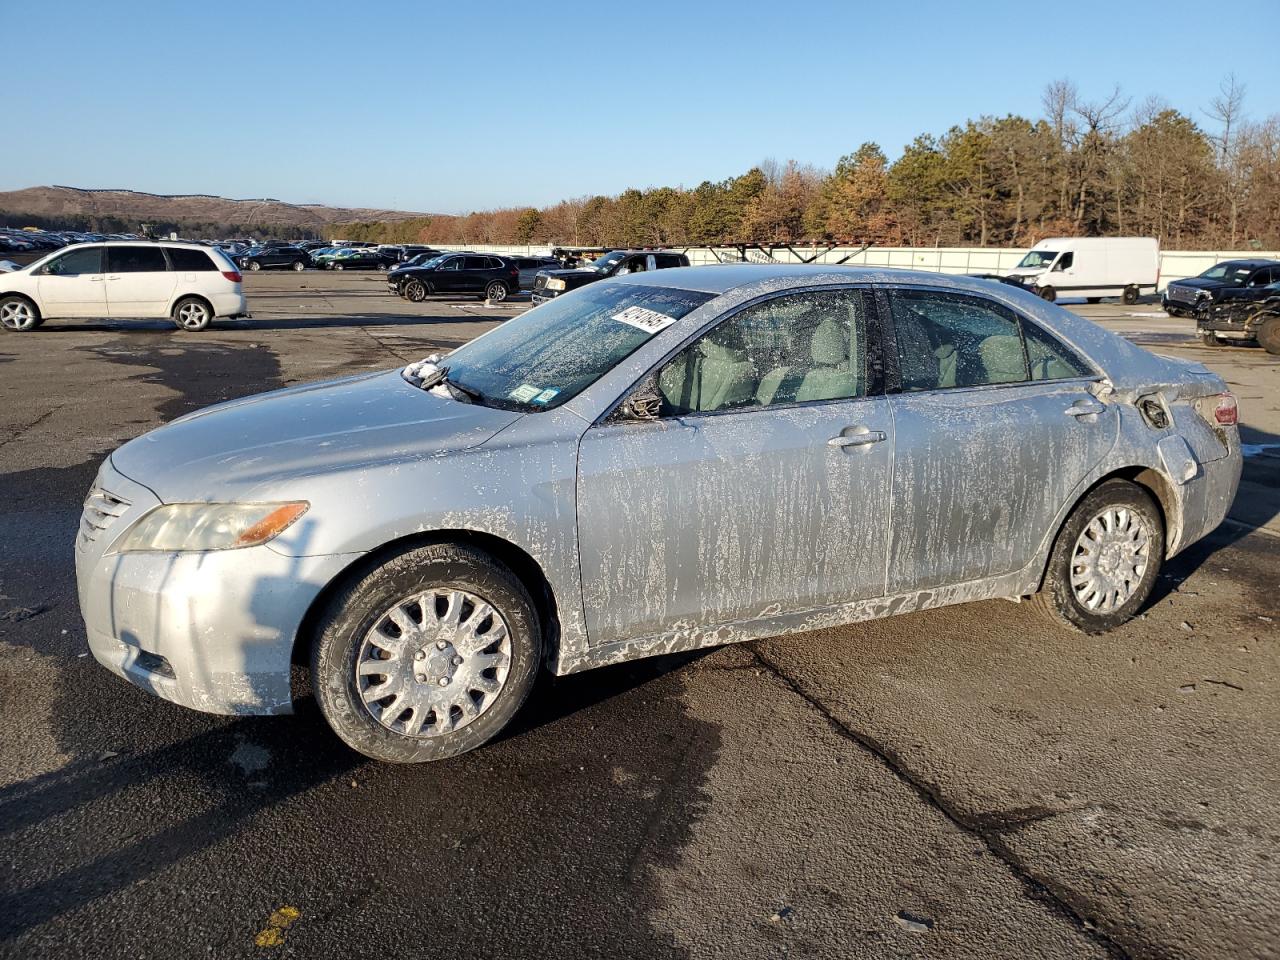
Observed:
{"x":495,"y":278}
{"x":551,"y":283}
{"x":1229,"y":280}
{"x":263,"y":258}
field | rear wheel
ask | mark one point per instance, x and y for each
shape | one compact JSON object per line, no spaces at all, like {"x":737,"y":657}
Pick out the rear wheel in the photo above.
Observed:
{"x":427,"y":656}
{"x":1105,"y":559}
{"x":1130,"y":295}
{"x":1268,"y":333}
{"x":1048,"y":293}
{"x":496,"y":291}
{"x":192,"y":315}
{"x":19,"y":315}
{"x":416,"y":290}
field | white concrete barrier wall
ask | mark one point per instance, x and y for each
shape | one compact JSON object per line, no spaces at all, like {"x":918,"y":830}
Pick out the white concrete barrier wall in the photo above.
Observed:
{"x":1174,"y":264}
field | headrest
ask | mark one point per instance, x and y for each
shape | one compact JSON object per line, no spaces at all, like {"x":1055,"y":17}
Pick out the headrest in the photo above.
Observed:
{"x":828,"y":347}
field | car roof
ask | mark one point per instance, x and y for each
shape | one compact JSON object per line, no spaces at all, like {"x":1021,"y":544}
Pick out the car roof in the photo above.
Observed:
{"x":1251,"y":262}
{"x":722,"y":278}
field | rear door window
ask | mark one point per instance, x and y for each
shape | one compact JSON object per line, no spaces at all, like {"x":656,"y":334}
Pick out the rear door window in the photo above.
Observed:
{"x":948,"y":340}
{"x":136,"y":260}
{"x":476,"y":263}
{"x":190,"y":260}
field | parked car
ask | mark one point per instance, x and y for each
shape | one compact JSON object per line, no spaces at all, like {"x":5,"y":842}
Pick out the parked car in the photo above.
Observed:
{"x":549,"y":284}
{"x":493,"y":277}
{"x":1249,"y":314}
{"x":188,"y":283}
{"x":657,"y":463}
{"x":1091,"y":267}
{"x":530,"y":267}
{"x":360,"y":258}
{"x":1227,"y":280}
{"x":278,"y":257}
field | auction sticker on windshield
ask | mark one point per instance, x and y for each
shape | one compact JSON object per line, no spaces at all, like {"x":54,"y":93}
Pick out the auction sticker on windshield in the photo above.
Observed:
{"x":650,"y":321}
{"x":524,"y":393}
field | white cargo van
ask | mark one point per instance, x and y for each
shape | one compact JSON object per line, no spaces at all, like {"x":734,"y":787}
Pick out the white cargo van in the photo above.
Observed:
{"x":1091,"y":267}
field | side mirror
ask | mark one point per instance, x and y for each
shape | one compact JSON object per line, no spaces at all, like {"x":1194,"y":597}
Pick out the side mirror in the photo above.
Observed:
{"x":643,"y":405}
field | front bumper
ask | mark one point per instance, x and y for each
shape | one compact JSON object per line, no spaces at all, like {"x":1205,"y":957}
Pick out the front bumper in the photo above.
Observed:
{"x":542,"y":296}
{"x":210,"y":631}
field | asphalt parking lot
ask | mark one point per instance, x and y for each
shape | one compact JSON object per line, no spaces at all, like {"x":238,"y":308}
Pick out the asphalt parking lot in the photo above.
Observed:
{"x":962,"y":782}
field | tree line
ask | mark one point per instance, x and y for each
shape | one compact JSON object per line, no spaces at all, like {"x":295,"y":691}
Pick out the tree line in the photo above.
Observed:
{"x":1085,"y":167}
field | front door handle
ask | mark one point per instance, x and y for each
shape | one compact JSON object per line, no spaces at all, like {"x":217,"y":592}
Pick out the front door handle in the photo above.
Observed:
{"x":857,"y":437}
{"x":1085,"y":408}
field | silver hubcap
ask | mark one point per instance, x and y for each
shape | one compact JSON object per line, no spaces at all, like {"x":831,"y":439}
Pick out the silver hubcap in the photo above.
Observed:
{"x":191,"y":315}
{"x":498,"y":293}
{"x":433,"y":663}
{"x":1109,"y":560}
{"x":16,"y":315}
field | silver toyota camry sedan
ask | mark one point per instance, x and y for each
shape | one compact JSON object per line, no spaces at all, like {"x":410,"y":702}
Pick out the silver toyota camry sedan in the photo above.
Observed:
{"x":650,"y":464}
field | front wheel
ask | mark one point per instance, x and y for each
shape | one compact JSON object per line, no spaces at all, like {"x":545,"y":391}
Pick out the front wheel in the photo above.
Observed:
{"x":1208,"y":338}
{"x":19,"y":315}
{"x":1048,"y":293}
{"x":299,"y":266}
{"x":426,"y":656}
{"x":255,"y":266}
{"x":192,"y":315}
{"x":415,"y":291}
{"x":1105,"y":560}
{"x":1268,"y":333}
{"x":496,"y":291}
{"x":337,"y":266}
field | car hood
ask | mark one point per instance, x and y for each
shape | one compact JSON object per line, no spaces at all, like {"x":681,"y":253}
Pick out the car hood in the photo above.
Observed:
{"x":261,"y":444}
{"x":1199,"y":283}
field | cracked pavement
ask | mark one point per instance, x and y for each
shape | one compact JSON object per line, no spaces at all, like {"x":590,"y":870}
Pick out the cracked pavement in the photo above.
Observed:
{"x":963,"y":782}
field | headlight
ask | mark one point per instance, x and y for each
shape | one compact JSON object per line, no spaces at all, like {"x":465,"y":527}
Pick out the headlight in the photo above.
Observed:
{"x":210,"y":526}
{"x":555,"y":283}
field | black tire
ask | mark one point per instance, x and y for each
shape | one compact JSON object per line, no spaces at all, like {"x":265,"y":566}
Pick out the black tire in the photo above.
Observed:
{"x":1131,"y":294}
{"x":1208,"y":338}
{"x":1048,"y":293}
{"x":1173,"y":311}
{"x":496,"y":291}
{"x":1268,"y":333}
{"x":416,"y":290}
{"x":1058,"y":600}
{"x":299,"y":265}
{"x":382,"y":268}
{"x":353,"y":612}
{"x":337,"y":266}
{"x":191,"y":315}
{"x":255,"y":266}
{"x":19,"y":314}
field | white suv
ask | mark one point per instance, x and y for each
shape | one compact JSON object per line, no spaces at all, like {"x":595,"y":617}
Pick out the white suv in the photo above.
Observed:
{"x":189,"y":283}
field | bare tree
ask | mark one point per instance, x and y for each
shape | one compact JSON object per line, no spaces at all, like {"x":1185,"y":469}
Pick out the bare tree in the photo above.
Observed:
{"x":1226,"y":108}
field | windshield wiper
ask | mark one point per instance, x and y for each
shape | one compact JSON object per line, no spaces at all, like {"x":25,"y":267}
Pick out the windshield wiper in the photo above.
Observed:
{"x":427,"y":374}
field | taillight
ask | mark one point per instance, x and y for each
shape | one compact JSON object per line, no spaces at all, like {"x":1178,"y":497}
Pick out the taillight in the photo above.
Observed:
{"x":232,"y":275}
{"x":1226,"y":412}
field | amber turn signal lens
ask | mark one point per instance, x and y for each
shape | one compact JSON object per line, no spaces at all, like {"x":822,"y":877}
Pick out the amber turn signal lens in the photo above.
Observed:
{"x":272,"y":525}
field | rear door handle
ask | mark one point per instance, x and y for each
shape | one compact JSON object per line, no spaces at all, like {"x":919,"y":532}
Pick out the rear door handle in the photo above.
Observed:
{"x":1085,"y":408}
{"x":857,"y":437}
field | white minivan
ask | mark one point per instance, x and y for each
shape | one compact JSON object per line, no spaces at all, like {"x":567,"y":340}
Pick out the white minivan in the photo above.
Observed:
{"x":1091,"y":267}
{"x":186,"y":282}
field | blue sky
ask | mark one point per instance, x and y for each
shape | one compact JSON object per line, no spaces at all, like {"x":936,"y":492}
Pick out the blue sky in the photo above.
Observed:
{"x":455,"y":106}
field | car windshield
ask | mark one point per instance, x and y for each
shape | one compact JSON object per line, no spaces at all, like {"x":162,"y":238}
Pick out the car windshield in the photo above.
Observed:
{"x":1038,"y":258}
{"x":607,"y":262}
{"x":435,"y":261}
{"x":1232,"y":273}
{"x":552,"y":353}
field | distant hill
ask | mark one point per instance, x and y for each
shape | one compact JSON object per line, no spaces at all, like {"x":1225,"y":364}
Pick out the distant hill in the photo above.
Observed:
{"x":71,"y":208}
